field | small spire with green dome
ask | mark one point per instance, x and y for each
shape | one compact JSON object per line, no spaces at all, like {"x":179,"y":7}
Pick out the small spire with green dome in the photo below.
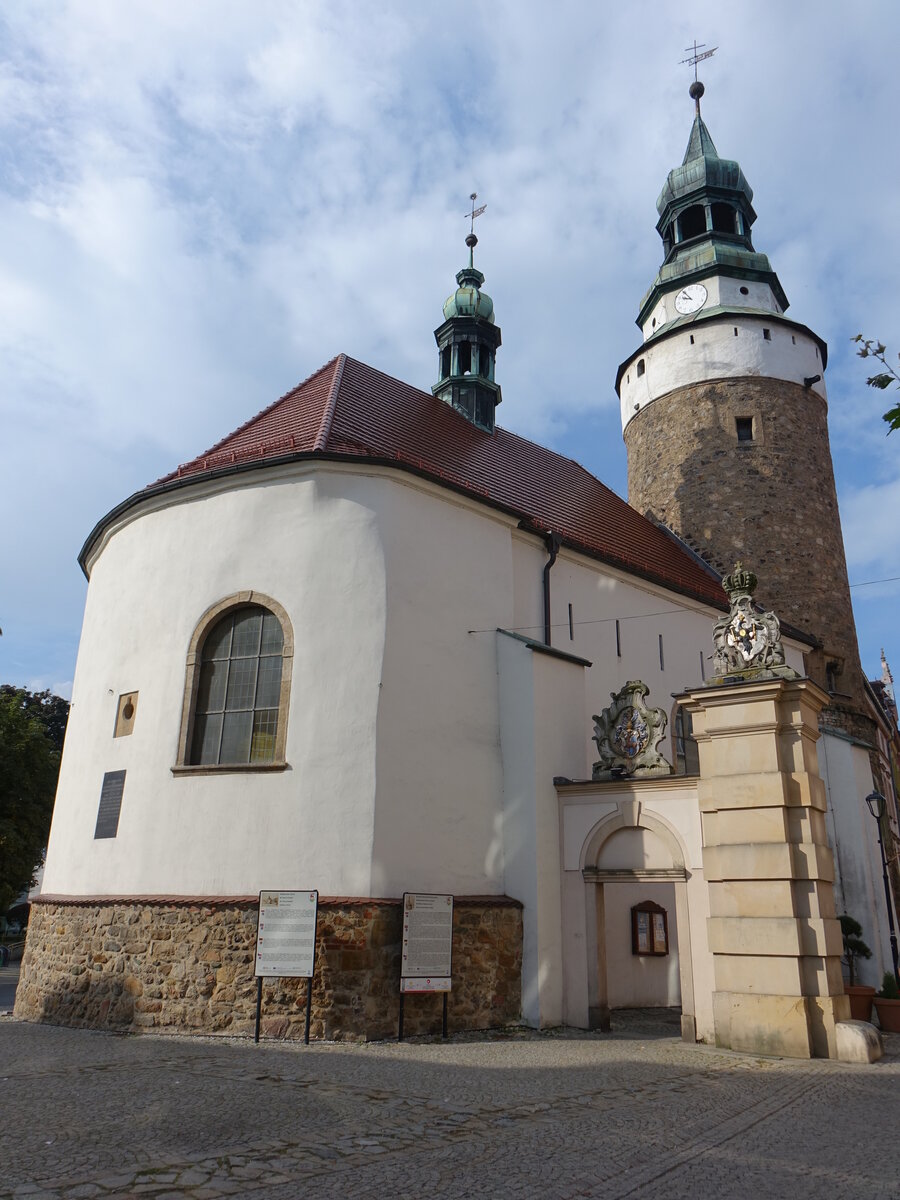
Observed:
{"x":467,"y":343}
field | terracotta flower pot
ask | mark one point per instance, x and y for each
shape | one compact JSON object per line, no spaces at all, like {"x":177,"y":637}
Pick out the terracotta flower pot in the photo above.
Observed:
{"x":888,"y":1014}
{"x":861,"y":998}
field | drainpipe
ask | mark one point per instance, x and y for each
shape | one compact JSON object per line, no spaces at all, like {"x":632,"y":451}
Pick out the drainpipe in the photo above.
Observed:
{"x":552,"y":540}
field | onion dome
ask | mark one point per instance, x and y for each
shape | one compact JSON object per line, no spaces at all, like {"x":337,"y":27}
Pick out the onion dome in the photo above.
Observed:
{"x":468,"y":300}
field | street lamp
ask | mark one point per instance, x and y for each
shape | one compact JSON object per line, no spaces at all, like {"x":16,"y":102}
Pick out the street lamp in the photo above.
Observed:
{"x":876,"y":802}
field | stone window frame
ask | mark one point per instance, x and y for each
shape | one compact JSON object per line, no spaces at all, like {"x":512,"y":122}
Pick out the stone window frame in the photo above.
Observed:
{"x":744,"y":429}
{"x":192,"y":683}
{"x":728,"y":422}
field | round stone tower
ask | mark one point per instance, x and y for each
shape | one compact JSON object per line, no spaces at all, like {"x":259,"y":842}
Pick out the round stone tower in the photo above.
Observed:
{"x":724,"y":415}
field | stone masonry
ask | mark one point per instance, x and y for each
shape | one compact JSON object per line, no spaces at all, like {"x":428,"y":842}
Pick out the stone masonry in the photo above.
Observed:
{"x":770,"y":501}
{"x":186,"y":965}
{"x":772,"y":928}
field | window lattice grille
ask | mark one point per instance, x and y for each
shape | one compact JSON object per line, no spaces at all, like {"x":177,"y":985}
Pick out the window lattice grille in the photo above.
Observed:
{"x":236,"y":715}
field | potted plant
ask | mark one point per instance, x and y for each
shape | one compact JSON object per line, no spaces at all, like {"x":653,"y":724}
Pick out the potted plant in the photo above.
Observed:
{"x":854,"y":949}
{"x":887,"y":1004}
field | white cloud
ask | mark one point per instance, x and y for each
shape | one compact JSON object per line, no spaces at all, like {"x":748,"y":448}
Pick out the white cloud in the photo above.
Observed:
{"x":872,"y":529}
{"x":203,"y":202}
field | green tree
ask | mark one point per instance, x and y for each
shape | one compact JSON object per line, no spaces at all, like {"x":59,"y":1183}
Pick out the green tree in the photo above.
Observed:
{"x":52,"y":711}
{"x":869,"y":348}
{"x":32,"y":726}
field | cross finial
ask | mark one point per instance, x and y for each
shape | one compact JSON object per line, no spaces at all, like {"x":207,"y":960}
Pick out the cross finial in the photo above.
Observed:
{"x":695,"y":56}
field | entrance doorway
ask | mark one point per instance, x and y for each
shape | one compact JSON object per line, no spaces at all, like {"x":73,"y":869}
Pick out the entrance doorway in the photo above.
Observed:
{"x":638,"y":925}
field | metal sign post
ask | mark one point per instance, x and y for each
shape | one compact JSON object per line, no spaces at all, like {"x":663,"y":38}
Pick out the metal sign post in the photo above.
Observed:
{"x":426,"y":949}
{"x":258,"y":1006}
{"x":286,"y":943}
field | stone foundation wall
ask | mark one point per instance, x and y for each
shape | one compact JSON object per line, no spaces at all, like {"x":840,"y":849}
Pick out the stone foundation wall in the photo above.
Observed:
{"x":182,"y":965}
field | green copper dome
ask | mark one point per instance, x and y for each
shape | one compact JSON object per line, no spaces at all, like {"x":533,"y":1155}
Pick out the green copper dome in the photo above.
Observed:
{"x":703,"y":170}
{"x":468,"y":300}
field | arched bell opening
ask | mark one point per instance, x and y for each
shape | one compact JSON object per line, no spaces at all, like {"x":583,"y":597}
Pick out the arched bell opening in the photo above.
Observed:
{"x":692,"y":222}
{"x":724,"y":218}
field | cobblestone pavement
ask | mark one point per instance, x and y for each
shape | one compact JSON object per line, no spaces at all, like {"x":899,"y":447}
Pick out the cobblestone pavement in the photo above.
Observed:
{"x":88,"y":1114}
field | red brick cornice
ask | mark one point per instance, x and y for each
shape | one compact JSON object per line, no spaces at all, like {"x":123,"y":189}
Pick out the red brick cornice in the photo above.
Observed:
{"x":252,"y":901}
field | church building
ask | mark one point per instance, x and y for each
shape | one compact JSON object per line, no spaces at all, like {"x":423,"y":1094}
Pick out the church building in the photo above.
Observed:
{"x":372,"y":643}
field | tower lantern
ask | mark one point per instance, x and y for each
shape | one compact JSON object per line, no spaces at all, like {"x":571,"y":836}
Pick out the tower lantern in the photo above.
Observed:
{"x":467,"y":343}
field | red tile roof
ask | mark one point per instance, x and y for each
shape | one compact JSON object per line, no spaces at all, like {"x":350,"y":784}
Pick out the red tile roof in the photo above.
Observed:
{"x":348,"y":410}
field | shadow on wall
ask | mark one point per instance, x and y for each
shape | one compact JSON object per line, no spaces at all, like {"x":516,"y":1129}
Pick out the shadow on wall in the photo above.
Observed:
{"x":186,"y":968}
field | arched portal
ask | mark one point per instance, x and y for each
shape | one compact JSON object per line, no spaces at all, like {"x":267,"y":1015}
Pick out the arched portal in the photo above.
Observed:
{"x":638,"y":927}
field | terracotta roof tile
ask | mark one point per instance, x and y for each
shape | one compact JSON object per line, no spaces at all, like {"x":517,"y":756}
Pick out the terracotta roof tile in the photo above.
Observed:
{"x":350,"y":410}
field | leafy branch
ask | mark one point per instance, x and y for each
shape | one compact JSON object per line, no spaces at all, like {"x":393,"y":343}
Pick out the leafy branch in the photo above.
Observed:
{"x":869,"y":348}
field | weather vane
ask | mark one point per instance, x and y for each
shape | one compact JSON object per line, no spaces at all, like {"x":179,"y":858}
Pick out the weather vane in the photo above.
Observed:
{"x":695,"y":57}
{"x":476,"y":212}
{"x":696,"y":89}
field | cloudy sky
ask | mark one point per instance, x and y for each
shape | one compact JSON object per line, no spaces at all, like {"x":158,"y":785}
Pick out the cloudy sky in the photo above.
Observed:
{"x":201,"y":202}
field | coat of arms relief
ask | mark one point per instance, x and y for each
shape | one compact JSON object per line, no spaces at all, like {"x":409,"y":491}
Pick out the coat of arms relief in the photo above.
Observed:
{"x":627,"y":734}
{"x":747,"y":640}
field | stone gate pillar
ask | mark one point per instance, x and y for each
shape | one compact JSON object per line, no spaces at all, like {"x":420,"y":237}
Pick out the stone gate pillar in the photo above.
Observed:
{"x":772,"y":930}
{"x":775,"y":940}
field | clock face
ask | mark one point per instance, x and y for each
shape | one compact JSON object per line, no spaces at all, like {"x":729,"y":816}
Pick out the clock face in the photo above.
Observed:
{"x":691,"y":298}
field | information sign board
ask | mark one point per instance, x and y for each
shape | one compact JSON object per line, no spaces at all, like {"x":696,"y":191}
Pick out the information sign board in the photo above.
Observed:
{"x":427,"y":942}
{"x":286,"y":939}
{"x":426,"y":985}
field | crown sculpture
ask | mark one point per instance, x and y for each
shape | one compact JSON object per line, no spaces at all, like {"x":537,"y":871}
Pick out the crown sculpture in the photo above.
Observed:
{"x":627,"y":734}
{"x":747,"y":640}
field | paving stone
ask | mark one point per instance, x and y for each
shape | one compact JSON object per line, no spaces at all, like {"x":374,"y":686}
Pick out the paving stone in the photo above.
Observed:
{"x":554,"y":1115}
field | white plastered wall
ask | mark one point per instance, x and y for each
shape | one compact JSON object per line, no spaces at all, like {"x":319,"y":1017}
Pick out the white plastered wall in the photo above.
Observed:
{"x":718,"y":352}
{"x":858,"y":884}
{"x":314,"y":546}
{"x":638,"y":981}
{"x":392,"y":739}
{"x":541,"y":712}
{"x":600,"y":596}
{"x":438,"y":814}
{"x":722,"y":290}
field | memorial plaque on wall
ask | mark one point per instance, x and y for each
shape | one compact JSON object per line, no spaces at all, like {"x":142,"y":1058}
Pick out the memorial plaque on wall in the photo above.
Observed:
{"x":427,"y":945}
{"x":286,"y":938}
{"x":110,"y":804}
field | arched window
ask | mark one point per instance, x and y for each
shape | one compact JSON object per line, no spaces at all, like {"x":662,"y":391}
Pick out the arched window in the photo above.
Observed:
{"x":237,"y":686}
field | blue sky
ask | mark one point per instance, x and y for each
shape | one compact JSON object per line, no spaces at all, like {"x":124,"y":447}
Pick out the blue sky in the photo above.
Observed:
{"x":201,"y":203}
